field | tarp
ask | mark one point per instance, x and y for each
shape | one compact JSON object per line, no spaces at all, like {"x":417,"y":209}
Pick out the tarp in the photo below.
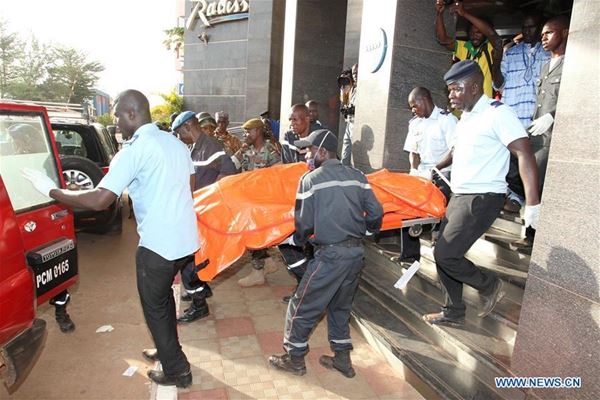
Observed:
{"x":255,"y":210}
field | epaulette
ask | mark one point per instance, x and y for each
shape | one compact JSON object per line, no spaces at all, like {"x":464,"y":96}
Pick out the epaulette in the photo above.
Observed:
{"x":129,"y":142}
{"x":496,"y":103}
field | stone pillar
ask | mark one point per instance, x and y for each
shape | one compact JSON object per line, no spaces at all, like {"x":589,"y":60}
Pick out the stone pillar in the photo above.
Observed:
{"x":559,"y":327}
{"x":313,"y":56}
{"x":413,"y":58}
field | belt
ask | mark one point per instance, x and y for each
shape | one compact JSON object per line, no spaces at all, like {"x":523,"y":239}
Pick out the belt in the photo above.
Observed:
{"x":478,"y":194}
{"x":352,"y":242}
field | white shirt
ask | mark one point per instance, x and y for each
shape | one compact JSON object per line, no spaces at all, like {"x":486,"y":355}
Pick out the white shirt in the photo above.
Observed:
{"x":431,"y":138}
{"x":481,"y":156}
{"x":156,"y":167}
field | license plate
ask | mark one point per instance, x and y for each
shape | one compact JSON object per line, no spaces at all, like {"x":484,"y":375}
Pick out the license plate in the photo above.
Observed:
{"x":53,"y":265}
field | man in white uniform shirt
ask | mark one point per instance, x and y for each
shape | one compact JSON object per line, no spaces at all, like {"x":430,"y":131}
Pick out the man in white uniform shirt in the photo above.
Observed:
{"x":485,"y":136}
{"x":430,"y":135}
{"x":157,"y":169}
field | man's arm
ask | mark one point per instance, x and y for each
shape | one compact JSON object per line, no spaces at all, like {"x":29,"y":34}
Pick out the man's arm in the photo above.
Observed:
{"x":193,"y":182}
{"x":446,"y":161}
{"x":491,"y":35}
{"x":414,"y":159}
{"x":521,"y":148}
{"x":304,"y":214}
{"x":96,"y":199}
{"x":373,"y":211}
{"x":440,"y":29}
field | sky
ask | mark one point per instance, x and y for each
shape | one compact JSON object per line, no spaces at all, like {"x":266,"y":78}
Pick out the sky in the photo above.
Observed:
{"x":125,"y":36}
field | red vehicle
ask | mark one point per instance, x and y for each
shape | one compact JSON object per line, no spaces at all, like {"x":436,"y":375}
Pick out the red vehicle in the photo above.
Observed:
{"x":38,"y":253}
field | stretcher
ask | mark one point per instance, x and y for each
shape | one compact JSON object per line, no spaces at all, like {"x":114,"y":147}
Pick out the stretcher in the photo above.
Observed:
{"x":255,"y":210}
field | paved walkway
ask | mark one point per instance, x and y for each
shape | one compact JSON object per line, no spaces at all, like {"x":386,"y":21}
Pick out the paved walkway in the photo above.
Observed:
{"x":229,"y":349}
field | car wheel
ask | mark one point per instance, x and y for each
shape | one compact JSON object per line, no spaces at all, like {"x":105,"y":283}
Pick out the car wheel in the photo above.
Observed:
{"x":80,"y":173}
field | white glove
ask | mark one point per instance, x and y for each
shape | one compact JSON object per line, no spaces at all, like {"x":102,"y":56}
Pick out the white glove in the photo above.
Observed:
{"x":39,"y":180}
{"x":541,"y":125}
{"x":289,"y":240}
{"x":414,"y":172}
{"x":532,"y":216}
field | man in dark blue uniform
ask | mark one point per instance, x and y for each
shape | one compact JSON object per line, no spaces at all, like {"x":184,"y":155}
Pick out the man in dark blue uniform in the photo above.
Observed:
{"x":211,"y":163}
{"x":334,"y":203}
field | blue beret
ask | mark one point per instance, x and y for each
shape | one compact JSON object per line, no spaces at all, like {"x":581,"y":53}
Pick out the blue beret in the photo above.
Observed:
{"x":182,"y":119}
{"x":461,"y":70}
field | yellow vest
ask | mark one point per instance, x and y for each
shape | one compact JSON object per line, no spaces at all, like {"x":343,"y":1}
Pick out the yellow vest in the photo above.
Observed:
{"x":462,"y":52}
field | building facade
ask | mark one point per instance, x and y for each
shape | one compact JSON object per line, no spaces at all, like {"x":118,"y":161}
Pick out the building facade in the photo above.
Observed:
{"x":283,"y":52}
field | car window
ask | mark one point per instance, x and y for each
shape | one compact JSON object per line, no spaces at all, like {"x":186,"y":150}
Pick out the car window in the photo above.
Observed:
{"x":106,"y":143}
{"x":24,"y":142}
{"x":70,"y":143}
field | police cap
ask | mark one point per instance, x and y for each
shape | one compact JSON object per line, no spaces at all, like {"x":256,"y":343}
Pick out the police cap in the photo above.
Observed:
{"x":182,"y":119}
{"x":461,"y":70}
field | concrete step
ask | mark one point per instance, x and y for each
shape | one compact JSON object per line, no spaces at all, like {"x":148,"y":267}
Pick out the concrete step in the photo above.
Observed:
{"x":506,"y":312}
{"x":510,"y":223}
{"x":456,"y":363}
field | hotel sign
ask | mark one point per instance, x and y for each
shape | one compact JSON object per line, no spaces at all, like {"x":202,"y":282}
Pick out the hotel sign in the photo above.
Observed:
{"x":214,"y":12}
{"x":375,"y":50}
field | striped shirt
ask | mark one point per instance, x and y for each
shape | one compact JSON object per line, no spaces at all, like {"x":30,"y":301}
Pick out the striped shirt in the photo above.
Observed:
{"x":521,"y":66}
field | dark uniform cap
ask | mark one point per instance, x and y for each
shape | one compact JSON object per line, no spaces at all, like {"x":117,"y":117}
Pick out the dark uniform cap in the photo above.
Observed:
{"x":323,"y":138}
{"x":253,"y":123}
{"x":461,"y":70}
{"x":208,"y":120}
{"x":182,"y":119}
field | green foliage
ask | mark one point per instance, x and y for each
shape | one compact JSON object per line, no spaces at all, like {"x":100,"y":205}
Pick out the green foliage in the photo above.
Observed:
{"x":105,"y":119}
{"x":174,"y":39}
{"x":31,"y":70}
{"x":71,"y":76}
{"x":10,"y":49}
{"x":173,"y":104}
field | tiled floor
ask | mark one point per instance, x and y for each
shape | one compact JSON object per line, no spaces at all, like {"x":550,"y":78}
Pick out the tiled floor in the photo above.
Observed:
{"x":229,"y":349}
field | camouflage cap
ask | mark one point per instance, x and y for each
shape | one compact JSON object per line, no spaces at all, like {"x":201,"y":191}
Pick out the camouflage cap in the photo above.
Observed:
{"x":203,"y":114}
{"x":253,"y":123}
{"x":205,"y":121}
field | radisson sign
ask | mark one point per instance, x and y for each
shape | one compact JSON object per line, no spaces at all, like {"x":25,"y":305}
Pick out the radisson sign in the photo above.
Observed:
{"x":214,"y":12}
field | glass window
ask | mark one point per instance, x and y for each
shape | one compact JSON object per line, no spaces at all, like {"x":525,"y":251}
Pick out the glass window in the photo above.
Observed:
{"x":106,"y":143}
{"x":24,"y":142}
{"x":70,"y":143}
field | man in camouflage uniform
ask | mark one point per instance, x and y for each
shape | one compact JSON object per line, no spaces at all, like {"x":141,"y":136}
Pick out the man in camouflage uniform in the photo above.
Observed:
{"x":231,"y":143}
{"x":256,"y":152}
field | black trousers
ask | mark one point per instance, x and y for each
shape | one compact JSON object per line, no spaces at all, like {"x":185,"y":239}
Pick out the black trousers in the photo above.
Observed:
{"x":193,"y":285}
{"x":467,"y":218}
{"x":296,"y":259}
{"x":154,"y":280}
{"x":328,"y":285}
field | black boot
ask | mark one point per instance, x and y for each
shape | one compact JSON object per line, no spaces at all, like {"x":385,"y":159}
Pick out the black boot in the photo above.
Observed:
{"x":198,"y":309}
{"x":340,"y":362}
{"x":289,"y":363}
{"x":63,"y":319}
